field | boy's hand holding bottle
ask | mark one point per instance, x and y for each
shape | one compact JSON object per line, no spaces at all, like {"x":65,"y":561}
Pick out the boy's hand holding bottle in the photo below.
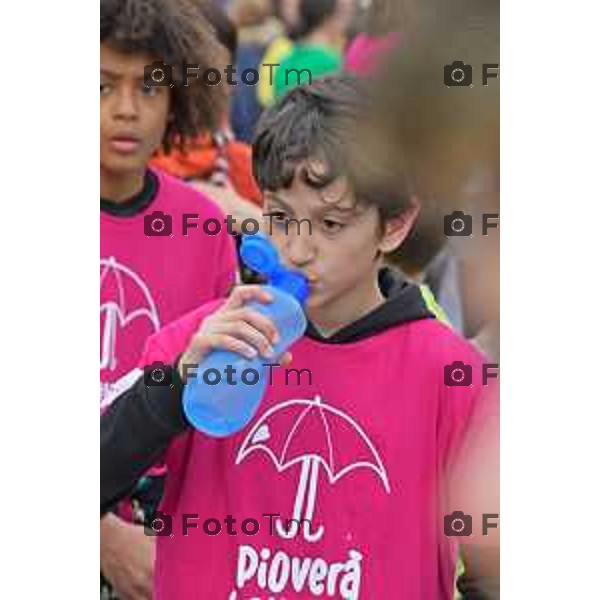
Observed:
{"x":237,"y":328}
{"x":256,"y":325}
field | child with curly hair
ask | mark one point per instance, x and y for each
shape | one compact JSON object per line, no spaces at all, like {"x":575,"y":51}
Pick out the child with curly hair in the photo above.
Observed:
{"x":144,"y":281}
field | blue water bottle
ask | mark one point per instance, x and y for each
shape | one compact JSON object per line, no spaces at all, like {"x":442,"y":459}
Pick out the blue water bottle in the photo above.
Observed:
{"x":217,"y":407}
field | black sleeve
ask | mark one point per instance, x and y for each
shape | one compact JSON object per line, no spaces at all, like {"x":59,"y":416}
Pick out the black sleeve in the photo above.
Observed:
{"x":134,"y":432}
{"x":469,"y":589}
{"x":472,"y":588}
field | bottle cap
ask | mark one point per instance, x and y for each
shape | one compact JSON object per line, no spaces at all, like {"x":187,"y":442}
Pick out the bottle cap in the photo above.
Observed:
{"x":259,"y":254}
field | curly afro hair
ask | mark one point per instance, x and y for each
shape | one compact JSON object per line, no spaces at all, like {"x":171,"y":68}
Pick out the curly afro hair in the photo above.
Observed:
{"x":175,"y":32}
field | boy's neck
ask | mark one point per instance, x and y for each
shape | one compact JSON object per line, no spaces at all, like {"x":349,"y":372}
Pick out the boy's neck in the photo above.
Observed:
{"x":328,"y":320}
{"x":120,"y":187}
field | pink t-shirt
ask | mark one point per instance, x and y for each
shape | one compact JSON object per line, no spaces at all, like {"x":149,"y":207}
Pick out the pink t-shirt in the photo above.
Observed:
{"x":357,"y":456}
{"x":146,"y":282}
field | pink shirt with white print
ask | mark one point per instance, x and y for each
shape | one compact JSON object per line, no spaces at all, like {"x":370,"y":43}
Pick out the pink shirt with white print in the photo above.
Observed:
{"x":357,"y":456}
{"x":149,"y":281}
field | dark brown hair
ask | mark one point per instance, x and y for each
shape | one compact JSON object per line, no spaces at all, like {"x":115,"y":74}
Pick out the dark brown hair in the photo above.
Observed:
{"x":319,"y":122}
{"x":175,"y":32}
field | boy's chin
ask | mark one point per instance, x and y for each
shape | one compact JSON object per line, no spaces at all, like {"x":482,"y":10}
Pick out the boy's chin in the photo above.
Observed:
{"x":124,"y":164}
{"x":312,"y":302}
{"x":316,"y":301}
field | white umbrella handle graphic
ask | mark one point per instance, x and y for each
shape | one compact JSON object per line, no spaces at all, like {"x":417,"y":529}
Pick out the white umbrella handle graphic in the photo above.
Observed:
{"x":310,"y":466}
{"x":109,"y":338}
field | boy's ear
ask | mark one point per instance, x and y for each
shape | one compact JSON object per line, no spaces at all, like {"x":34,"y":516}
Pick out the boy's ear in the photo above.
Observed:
{"x":398,"y":228}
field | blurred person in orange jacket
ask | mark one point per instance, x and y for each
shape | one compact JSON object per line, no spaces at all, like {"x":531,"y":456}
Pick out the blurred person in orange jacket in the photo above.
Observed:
{"x":214,"y":161}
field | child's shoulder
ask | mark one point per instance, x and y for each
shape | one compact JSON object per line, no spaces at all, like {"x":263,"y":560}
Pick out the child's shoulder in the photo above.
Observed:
{"x":437,"y":343}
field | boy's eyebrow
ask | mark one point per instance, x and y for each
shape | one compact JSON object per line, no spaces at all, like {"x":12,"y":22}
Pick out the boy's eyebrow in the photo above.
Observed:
{"x":322,"y":210}
{"x":336,"y":212}
{"x":279,"y":200}
{"x":107,"y":73}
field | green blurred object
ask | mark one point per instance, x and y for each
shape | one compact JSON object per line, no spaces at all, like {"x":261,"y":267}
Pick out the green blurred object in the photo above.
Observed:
{"x":460,"y":569}
{"x":310,"y":61}
{"x":433,"y":306}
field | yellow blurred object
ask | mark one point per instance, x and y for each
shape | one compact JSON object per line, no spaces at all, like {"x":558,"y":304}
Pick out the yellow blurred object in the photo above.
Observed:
{"x":274,"y":55}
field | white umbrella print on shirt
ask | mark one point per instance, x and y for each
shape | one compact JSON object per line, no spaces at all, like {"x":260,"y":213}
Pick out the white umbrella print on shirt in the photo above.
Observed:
{"x":125,"y":297}
{"x":301,"y":431}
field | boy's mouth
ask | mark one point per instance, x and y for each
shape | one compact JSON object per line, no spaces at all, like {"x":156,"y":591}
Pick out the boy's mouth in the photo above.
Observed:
{"x":312,"y":279}
{"x":125,"y":144}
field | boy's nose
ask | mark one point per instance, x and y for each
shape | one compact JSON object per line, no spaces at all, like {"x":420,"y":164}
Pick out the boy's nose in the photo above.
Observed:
{"x":299,"y":249}
{"x":126,"y":106}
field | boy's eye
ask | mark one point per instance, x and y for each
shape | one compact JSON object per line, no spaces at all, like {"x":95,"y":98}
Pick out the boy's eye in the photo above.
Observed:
{"x":149,"y":91}
{"x":105,"y":89}
{"x":332,"y":226}
{"x":276,"y":217}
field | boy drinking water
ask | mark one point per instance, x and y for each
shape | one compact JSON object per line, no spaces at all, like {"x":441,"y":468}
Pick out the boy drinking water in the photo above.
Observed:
{"x":344,"y":473}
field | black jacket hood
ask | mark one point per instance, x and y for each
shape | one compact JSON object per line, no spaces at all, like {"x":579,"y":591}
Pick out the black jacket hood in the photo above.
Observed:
{"x":404,"y":304}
